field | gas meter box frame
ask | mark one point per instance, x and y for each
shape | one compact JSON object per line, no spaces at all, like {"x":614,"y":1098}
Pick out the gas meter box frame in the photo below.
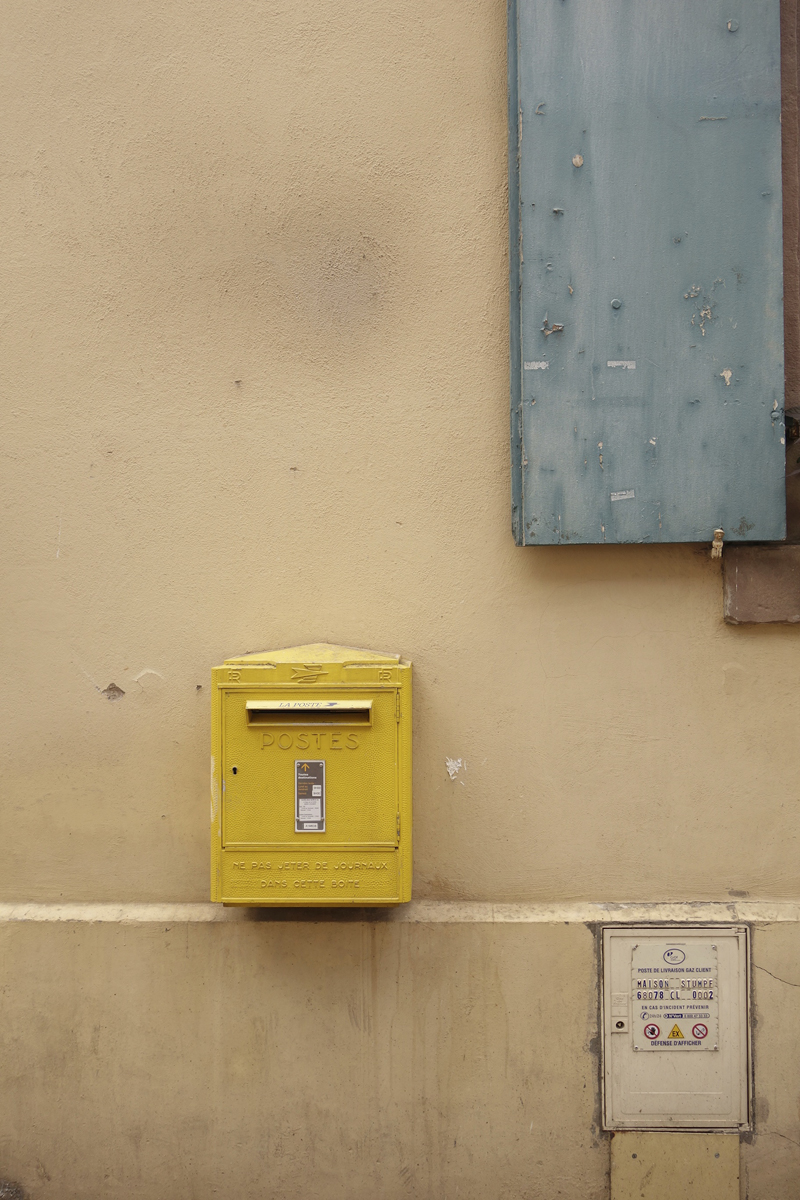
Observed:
{"x":311,"y":778}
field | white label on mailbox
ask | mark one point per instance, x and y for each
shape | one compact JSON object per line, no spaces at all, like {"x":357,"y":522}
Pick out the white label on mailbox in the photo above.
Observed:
{"x":309,"y":795}
{"x":675,"y":995}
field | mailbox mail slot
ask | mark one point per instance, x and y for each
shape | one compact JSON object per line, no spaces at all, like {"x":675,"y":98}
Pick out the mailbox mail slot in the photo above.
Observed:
{"x":311,"y":778}
{"x":304,"y":712}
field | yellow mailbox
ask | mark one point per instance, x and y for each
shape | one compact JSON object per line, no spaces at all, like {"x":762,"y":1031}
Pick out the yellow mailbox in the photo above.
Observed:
{"x":311,"y":778}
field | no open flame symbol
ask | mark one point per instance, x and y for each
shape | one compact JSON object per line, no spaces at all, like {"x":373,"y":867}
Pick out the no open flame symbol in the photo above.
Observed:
{"x":700,"y":1031}
{"x":651,"y":1032}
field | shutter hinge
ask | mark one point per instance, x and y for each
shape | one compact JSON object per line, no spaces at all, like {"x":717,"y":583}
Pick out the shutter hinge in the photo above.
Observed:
{"x":398,"y":827}
{"x":397,"y":706}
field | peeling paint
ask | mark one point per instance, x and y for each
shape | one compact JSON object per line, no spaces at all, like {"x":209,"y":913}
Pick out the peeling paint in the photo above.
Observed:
{"x":13,"y":1191}
{"x":547,"y":328}
{"x":536,"y":366}
{"x":626,"y":364}
{"x":726,"y":375}
{"x":629,"y":495}
{"x":454,"y":765}
{"x":704,"y":307}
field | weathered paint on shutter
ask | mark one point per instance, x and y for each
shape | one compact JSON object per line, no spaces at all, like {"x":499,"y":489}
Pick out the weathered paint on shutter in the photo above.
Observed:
{"x":646,"y":270}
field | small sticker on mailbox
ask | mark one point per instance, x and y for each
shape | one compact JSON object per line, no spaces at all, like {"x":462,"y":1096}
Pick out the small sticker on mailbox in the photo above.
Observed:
{"x":309,"y":795}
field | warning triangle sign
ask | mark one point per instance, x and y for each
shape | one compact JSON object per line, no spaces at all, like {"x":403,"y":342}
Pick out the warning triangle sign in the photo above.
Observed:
{"x":675,"y":1033}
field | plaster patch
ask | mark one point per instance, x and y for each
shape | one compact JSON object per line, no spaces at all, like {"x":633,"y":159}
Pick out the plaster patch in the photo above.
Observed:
{"x":149,"y":680}
{"x":454,"y":765}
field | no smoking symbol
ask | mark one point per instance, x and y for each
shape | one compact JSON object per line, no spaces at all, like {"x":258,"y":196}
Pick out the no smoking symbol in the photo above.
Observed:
{"x":700,"y":1031}
{"x":652,"y":1032}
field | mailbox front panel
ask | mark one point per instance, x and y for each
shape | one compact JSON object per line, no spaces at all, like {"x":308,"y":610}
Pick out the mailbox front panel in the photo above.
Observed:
{"x":361,"y":798}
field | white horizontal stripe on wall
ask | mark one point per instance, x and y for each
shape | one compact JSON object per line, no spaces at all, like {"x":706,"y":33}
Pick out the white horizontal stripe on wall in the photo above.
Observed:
{"x":441,"y":912}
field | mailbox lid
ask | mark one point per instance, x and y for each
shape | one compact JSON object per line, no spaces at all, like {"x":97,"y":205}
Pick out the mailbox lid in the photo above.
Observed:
{"x":314,"y":655}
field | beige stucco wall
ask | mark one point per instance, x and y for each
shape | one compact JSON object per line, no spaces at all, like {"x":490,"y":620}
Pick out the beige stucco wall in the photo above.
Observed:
{"x":255,"y":377}
{"x":312,"y":202}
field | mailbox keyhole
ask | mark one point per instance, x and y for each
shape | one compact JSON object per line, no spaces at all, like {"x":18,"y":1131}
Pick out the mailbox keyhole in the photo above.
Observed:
{"x":235,"y":770}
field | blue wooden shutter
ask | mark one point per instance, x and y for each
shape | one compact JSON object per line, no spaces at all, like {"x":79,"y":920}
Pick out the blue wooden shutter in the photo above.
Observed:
{"x":646,"y":270}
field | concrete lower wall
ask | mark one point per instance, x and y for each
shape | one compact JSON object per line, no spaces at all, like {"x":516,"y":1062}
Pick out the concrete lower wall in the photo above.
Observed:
{"x":335,"y":1057}
{"x":312,"y":1058}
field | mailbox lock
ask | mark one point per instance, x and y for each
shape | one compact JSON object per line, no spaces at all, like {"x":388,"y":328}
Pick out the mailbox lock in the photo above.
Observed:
{"x":620,"y":1024}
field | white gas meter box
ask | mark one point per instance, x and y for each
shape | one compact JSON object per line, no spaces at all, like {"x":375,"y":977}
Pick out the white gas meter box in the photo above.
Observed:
{"x":675,"y":1027}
